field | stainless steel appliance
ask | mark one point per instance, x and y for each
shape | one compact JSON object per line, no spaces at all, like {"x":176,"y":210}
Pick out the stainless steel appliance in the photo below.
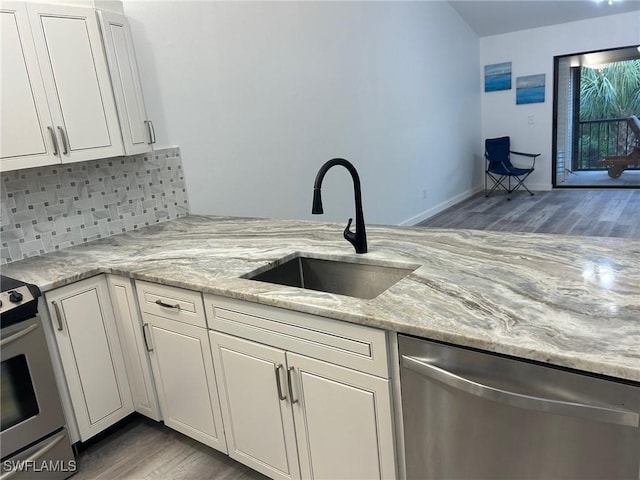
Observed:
{"x":33,"y":438}
{"x":473,"y":415}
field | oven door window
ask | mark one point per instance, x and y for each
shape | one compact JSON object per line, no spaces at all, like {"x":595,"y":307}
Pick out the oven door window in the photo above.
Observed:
{"x":17,"y":396}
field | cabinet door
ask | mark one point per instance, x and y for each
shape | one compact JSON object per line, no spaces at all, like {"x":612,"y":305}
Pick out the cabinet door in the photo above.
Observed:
{"x":183,"y":371}
{"x":125,"y":309}
{"x":92,"y":360}
{"x":255,"y":406}
{"x":76,"y":80}
{"x":123,"y":69}
{"x":27,"y":138}
{"x":343,"y":421}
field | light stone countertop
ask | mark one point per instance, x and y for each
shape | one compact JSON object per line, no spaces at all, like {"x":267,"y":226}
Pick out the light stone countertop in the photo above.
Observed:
{"x":562,"y":300}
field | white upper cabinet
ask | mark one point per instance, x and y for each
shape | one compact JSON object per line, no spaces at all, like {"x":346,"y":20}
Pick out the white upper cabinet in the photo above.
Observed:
{"x":137,"y":129}
{"x":76,"y":80}
{"x":27,"y":137}
{"x":57,"y":101}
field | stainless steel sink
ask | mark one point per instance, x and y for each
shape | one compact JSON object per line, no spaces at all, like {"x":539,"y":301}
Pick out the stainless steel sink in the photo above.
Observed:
{"x":333,"y":276}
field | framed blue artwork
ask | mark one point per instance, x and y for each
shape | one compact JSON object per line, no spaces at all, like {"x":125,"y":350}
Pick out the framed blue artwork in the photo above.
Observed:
{"x":530,"y":89}
{"x":497,"y":77}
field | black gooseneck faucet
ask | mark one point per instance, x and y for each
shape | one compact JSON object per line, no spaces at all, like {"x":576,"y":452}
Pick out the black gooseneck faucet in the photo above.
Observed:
{"x":359,"y":238}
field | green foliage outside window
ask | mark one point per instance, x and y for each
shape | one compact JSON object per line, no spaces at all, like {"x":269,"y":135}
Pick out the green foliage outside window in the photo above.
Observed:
{"x":608,"y":95}
{"x":610,"y":91}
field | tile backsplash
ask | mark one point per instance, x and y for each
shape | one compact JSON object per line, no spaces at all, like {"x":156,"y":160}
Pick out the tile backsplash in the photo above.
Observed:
{"x":57,"y":206}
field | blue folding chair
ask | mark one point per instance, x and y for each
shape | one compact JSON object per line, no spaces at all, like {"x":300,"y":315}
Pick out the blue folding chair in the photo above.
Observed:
{"x":499,"y":167}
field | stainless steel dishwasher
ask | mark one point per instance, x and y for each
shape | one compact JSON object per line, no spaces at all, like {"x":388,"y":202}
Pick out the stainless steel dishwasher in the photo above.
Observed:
{"x":473,"y":415}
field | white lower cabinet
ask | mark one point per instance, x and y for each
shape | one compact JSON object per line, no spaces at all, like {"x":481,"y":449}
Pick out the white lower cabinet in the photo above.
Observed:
{"x":291,"y":395}
{"x":85,"y":331}
{"x":255,"y":405}
{"x":342,"y":418}
{"x":136,"y":359}
{"x":288,"y":415}
{"x":178,"y":345}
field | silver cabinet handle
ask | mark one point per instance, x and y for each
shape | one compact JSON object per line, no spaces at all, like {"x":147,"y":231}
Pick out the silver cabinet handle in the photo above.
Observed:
{"x":279,"y":382}
{"x":54,"y":139}
{"x":167,"y":305}
{"x":65,"y":140}
{"x":25,"y":331}
{"x":37,"y":454}
{"x":152,"y":131}
{"x":146,"y":339}
{"x":608,"y":415}
{"x":290,"y":381}
{"x":56,"y":309}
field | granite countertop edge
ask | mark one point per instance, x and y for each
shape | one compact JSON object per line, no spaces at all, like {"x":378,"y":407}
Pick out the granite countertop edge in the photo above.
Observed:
{"x":418,"y":305}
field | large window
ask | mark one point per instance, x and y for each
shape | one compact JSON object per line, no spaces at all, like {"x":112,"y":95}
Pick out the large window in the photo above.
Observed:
{"x":595,"y":94}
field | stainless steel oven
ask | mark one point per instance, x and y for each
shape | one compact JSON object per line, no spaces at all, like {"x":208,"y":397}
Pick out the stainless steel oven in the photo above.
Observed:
{"x":33,"y":439}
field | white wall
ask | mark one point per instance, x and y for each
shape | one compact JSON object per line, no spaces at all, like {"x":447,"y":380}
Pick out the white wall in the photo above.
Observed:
{"x":258,"y":95}
{"x":531,"y":52}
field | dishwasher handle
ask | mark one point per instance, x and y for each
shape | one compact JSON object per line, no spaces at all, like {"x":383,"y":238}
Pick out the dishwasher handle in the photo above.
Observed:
{"x":589,"y":412}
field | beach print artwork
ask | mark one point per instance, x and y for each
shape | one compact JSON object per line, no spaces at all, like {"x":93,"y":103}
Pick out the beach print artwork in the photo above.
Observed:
{"x":497,"y":77}
{"x":530,"y":89}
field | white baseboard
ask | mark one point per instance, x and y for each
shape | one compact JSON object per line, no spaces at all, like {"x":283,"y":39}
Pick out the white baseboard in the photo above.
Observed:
{"x":442,"y":206}
{"x":543,"y":187}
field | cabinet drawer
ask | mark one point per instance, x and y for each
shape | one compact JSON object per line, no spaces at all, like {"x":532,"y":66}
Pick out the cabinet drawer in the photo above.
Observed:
{"x":342,"y":343}
{"x":171,"y":302}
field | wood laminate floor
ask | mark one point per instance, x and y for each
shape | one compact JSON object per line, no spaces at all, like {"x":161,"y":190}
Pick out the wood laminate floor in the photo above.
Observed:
{"x":142,"y":449}
{"x":605,"y":213}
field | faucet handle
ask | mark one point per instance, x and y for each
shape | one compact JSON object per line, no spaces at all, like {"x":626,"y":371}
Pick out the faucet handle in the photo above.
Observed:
{"x":348,"y":234}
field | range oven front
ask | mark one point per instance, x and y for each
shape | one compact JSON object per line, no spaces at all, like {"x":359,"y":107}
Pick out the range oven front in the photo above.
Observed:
{"x":33,"y":439}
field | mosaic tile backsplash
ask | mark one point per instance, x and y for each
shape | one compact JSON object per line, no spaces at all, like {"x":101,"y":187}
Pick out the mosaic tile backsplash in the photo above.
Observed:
{"x":57,"y":206}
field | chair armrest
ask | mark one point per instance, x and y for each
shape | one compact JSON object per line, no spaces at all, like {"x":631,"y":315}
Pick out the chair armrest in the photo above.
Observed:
{"x":532,"y":155}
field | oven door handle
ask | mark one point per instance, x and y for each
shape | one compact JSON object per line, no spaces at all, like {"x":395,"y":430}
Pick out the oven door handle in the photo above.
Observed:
{"x":37,"y":454}
{"x":25,"y":331}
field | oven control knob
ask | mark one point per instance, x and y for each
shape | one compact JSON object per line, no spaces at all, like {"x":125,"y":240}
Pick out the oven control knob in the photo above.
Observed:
{"x":15,"y":297}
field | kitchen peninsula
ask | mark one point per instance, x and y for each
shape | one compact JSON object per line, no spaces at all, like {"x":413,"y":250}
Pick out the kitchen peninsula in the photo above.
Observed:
{"x":566,"y":301}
